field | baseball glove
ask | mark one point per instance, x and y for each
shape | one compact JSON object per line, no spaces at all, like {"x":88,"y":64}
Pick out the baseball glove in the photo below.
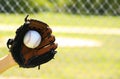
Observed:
{"x":31,"y":57}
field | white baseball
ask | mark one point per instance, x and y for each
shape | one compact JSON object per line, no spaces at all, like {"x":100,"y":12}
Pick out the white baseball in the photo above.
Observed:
{"x":32,"y":39}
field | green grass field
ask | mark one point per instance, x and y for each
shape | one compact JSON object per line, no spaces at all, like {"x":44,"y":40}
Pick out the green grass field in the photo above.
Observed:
{"x":72,"y":62}
{"x":67,"y":20}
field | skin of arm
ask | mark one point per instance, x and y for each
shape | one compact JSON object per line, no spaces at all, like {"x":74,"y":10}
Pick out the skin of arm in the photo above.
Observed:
{"x":6,"y":62}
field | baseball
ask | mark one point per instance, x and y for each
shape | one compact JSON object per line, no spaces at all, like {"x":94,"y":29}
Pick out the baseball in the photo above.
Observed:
{"x":32,"y":39}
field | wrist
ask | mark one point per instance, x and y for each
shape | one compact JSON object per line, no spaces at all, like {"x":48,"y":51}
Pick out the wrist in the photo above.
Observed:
{"x":11,"y":60}
{"x":6,"y":62}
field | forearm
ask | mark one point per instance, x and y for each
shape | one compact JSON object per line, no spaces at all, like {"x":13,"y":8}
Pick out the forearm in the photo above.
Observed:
{"x":6,"y":63}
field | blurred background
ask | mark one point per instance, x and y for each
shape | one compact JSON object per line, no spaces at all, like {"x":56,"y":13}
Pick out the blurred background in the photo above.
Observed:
{"x":87,"y":32}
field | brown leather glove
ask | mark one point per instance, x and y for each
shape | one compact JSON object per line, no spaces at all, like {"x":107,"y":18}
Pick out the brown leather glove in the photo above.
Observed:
{"x":31,"y":57}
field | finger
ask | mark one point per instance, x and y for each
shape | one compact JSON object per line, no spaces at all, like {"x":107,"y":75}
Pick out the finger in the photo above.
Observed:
{"x":38,"y":24}
{"x":46,"y":49}
{"x":46,"y":32}
{"x":46,"y":41}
